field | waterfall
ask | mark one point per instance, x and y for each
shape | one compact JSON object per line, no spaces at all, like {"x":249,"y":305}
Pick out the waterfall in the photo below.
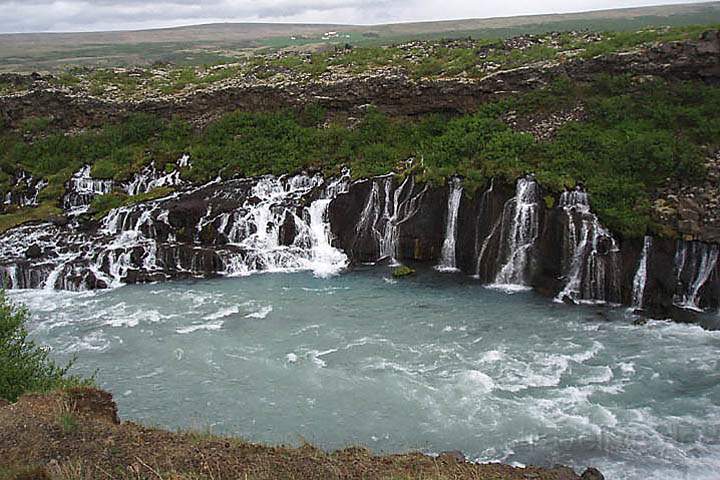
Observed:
{"x":520,"y":227}
{"x":325,"y":259}
{"x":695,"y":262}
{"x":81,"y":189}
{"x":638,"y":291}
{"x":232,"y":227}
{"x":25,"y":190}
{"x":481,"y":249}
{"x":384,"y":212}
{"x":257,"y":228}
{"x":388,"y":240}
{"x":590,"y":254}
{"x":447,"y":256}
{"x":149,"y":178}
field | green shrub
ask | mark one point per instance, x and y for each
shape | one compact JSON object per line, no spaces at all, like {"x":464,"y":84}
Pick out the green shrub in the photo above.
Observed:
{"x":24,"y":365}
{"x":636,"y":135}
{"x":35,"y":124}
{"x":403,"y":271}
{"x":102,"y":204}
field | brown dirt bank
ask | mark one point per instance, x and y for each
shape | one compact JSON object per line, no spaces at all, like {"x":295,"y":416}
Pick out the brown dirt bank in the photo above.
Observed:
{"x":77,"y":435}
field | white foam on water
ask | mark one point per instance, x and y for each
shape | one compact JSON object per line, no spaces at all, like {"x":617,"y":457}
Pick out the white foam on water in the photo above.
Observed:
{"x":315,"y":356}
{"x":209,"y":326}
{"x":262,"y":313}
{"x":475,"y":382}
{"x":508,"y":288}
{"x":492,"y":356}
{"x":94,"y":341}
{"x":223,"y":313}
{"x":125,"y":316}
{"x":154,"y":373}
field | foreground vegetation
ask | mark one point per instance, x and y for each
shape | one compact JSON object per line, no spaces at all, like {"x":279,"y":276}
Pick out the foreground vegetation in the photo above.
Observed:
{"x":637,"y":137}
{"x":24,"y":365}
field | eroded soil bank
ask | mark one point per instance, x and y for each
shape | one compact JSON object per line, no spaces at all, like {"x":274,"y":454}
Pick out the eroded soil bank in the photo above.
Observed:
{"x":77,"y":435}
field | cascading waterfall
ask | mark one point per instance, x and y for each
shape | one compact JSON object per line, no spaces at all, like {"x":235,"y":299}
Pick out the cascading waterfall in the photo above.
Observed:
{"x":385,"y":210}
{"x":521,"y":228}
{"x":447,"y":256}
{"x":590,"y":254}
{"x":640,"y":278}
{"x":258,"y":224}
{"x":149,"y":178}
{"x":695,"y":263}
{"x":25,"y":190}
{"x":388,"y":240}
{"x":325,"y":259}
{"x":481,"y":249}
{"x":256,"y":227}
{"x":81,"y":189}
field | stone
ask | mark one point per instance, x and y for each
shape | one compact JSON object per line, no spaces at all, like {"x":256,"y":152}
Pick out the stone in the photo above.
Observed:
{"x":452,"y":456}
{"x":689,"y":215}
{"x":33,"y":251}
{"x":690,"y":227}
{"x":592,"y":474}
{"x":403,"y":271}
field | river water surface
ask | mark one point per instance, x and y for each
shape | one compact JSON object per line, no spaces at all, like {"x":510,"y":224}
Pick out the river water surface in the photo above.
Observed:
{"x":430,"y":363}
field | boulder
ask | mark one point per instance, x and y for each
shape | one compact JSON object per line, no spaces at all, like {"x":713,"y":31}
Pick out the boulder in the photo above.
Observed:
{"x":592,"y":473}
{"x":33,"y":251}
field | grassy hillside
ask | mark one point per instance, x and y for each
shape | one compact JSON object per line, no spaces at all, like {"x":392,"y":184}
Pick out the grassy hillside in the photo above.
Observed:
{"x":222,"y":43}
{"x":636,"y":138}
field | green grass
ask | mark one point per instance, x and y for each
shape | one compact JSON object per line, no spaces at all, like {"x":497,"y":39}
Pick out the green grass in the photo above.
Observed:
{"x":470,"y":57}
{"x":102,"y":204}
{"x":68,"y":422}
{"x":636,"y":136}
{"x":30,"y":214}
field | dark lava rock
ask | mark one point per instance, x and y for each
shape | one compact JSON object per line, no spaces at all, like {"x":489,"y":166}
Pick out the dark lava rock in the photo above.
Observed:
{"x":288,"y":230}
{"x":33,"y":251}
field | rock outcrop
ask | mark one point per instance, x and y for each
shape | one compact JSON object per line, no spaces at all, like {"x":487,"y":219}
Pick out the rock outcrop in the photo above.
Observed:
{"x":392,"y":90}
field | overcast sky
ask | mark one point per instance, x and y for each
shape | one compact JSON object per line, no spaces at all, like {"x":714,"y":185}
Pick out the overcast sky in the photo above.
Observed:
{"x":94,"y":15}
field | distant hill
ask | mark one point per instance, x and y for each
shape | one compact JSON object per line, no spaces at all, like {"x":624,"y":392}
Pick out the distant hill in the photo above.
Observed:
{"x":213,"y":43}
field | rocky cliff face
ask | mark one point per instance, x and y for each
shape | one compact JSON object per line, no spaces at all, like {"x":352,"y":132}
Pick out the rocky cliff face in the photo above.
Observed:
{"x":509,"y":238}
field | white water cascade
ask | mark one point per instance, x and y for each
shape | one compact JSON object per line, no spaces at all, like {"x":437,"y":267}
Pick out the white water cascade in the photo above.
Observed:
{"x":81,"y":189}
{"x":590,"y":254}
{"x":520,"y":228}
{"x":150,"y":178}
{"x":482,"y":249}
{"x":325,"y":260}
{"x":640,"y":278}
{"x":386,"y":210}
{"x":695,"y":263}
{"x":447,"y":254}
{"x":233,"y":227}
{"x":25,"y":190}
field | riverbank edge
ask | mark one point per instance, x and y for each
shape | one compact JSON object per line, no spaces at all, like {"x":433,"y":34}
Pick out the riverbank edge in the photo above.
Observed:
{"x":76,"y":434}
